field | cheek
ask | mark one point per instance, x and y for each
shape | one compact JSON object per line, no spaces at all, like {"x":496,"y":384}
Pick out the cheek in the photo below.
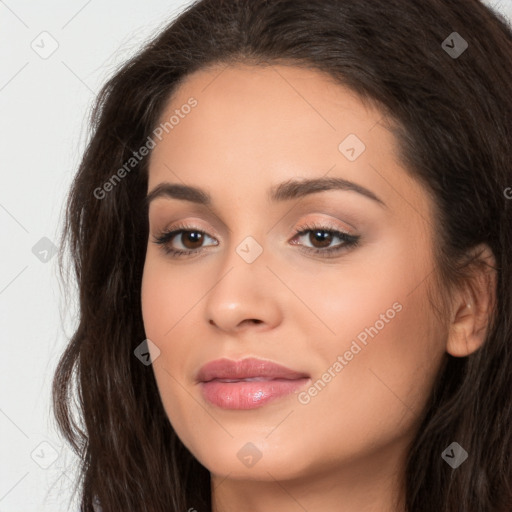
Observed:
{"x":390,"y":348}
{"x":166,"y":296}
{"x":390,"y":343}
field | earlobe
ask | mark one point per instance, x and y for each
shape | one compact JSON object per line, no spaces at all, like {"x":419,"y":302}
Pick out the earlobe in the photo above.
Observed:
{"x":474,"y":307}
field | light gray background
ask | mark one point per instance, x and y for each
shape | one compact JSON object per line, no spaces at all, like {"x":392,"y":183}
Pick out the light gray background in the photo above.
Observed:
{"x":44,"y":103}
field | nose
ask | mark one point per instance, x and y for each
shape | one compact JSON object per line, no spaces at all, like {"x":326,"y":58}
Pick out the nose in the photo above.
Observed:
{"x":245,"y":295}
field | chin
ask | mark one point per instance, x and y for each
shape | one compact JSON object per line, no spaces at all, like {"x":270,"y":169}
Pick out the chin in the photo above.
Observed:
{"x":253,"y":460}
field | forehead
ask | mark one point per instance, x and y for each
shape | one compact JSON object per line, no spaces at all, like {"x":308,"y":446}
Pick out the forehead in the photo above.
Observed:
{"x":253,"y":124}
{"x":290,"y":102}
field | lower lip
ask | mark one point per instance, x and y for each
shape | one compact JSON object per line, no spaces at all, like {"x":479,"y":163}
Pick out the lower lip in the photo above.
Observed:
{"x":248,"y":394}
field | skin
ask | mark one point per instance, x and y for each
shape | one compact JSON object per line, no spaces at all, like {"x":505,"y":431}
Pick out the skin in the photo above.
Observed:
{"x":253,"y":128}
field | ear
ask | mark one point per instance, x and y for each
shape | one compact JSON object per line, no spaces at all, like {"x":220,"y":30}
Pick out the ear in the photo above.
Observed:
{"x":472,"y":307}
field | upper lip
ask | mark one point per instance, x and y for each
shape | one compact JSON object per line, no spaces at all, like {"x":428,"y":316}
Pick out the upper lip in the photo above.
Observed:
{"x":246,"y":369}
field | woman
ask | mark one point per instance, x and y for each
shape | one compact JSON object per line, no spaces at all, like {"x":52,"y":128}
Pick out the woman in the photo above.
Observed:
{"x":291,"y":231}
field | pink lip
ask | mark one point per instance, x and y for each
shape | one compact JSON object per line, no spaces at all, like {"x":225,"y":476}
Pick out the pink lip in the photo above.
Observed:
{"x":274,"y":381}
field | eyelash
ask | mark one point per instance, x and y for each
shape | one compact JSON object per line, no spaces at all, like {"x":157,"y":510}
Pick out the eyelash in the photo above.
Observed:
{"x":349,"y":241}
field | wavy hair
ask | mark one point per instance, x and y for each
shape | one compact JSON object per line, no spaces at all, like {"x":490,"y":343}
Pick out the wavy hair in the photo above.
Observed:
{"x":453,"y":116}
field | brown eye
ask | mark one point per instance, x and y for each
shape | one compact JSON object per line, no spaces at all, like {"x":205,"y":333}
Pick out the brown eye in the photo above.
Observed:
{"x":182,"y":241}
{"x":191,"y":239}
{"x":320,"y":238}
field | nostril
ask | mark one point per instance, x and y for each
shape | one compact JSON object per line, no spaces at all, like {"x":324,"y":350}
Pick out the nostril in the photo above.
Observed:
{"x":252,"y":321}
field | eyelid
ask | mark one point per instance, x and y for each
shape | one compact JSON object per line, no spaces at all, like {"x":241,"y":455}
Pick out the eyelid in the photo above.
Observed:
{"x":347,"y":216}
{"x":326,"y":223}
{"x":195,"y":223}
{"x":192,"y":224}
{"x":349,"y":241}
{"x":295,"y":227}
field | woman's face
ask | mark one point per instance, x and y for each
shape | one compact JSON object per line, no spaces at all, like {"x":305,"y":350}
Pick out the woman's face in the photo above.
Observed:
{"x":352,"y":318}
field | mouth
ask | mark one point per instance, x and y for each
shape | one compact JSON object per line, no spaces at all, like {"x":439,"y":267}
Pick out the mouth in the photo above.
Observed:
{"x":249,"y":393}
{"x":246,"y":370}
{"x":248,"y":379}
{"x":247,"y":384}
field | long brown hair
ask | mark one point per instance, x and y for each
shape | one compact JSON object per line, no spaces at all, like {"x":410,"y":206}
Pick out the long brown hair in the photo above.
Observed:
{"x":454,"y":118}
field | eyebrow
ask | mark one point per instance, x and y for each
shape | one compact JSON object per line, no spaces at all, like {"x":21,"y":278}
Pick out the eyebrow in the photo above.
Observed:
{"x":288,"y":190}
